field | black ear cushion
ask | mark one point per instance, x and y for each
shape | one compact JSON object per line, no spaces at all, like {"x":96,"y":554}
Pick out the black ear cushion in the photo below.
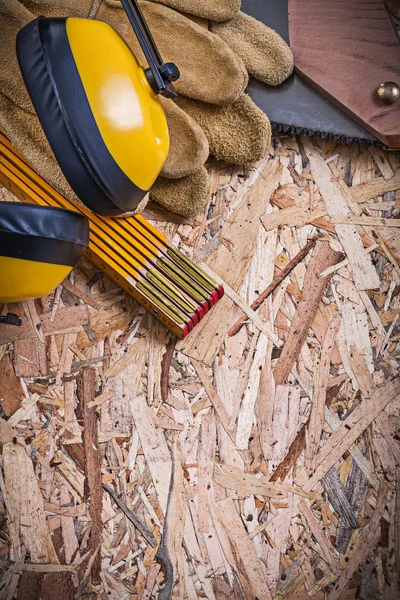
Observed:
{"x":42,"y":233}
{"x":55,"y":87}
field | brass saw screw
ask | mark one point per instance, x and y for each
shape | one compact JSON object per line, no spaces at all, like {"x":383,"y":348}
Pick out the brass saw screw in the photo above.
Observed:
{"x":388,"y":92}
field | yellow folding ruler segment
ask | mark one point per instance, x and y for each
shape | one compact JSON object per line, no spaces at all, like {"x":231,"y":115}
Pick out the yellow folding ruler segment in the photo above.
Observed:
{"x":130,"y":251}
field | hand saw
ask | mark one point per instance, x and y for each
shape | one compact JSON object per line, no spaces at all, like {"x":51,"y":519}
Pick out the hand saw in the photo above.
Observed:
{"x":294,"y":106}
{"x":130,"y":251}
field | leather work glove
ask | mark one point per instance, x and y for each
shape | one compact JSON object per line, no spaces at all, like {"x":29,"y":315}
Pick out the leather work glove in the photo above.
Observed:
{"x":212,"y":113}
{"x":221,"y":10}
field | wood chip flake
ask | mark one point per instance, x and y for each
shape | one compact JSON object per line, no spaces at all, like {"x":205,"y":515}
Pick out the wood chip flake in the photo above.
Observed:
{"x":375,"y":187}
{"x":366,"y":467}
{"x":154,"y":447}
{"x":136,"y":350}
{"x":23,"y":413}
{"x":240,"y":235}
{"x":366,"y":221}
{"x":252,"y":315}
{"x":325,"y":545}
{"x":366,"y":541}
{"x":23,"y":492}
{"x":283,"y":431}
{"x":247,"y":484}
{"x":313,"y":290}
{"x":354,"y":332}
{"x":296,"y":216}
{"x":204,"y":457}
{"x":321,"y":376}
{"x":175,"y":518}
{"x":251,"y":572}
{"x":381,"y":162}
{"x":213,"y":396}
{"x":364,"y":273}
{"x":351,"y":429}
{"x":246,"y":414}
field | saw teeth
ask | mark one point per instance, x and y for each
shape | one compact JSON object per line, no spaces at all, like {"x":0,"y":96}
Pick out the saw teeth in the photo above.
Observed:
{"x":291,"y":129}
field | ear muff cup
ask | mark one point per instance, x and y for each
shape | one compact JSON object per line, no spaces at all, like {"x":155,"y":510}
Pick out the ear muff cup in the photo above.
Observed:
{"x":61,"y":102}
{"x":39,"y":245}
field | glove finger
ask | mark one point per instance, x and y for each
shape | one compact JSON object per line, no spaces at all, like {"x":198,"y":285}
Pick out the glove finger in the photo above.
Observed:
{"x":239,"y":134}
{"x":13,"y":16}
{"x":198,"y":20}
{"x":266,"y":55}
{"x":209,"y":69}
{"x":188,"y":144}
{"x":187,"y":196}
{"x":61,"y":8}
{"x":219,"y":10}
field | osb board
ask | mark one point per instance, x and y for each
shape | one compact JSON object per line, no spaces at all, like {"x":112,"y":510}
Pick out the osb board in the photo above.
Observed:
{"x":259,"y":459}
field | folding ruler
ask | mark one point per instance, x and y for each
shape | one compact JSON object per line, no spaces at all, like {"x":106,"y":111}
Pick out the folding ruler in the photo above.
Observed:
{"x":130,"y":251}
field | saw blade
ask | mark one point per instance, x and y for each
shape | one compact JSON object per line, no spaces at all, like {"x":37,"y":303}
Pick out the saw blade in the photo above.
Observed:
{"x":294,"y":106}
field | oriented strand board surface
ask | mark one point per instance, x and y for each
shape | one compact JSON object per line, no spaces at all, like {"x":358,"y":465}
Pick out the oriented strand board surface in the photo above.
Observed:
{"x":346,"y":50}
{"x":260,"y":458}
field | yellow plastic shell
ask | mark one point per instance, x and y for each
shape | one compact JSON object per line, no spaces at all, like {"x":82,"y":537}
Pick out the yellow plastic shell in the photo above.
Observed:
{"x":127,"y":112}
{"x":25,"y":279}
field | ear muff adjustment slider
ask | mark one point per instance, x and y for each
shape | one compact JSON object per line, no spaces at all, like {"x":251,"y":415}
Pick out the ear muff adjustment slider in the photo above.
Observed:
{"x":11,"y":319}
{"x":159,"y":75}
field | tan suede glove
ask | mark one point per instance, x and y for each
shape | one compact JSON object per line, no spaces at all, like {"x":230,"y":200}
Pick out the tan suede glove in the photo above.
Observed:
{"x":211,"y":115}
{"x":215,"y":10}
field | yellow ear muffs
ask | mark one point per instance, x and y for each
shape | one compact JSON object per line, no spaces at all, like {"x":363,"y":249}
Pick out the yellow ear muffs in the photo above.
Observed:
{"x":39,"y":245}
{"x":97,"y":108}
